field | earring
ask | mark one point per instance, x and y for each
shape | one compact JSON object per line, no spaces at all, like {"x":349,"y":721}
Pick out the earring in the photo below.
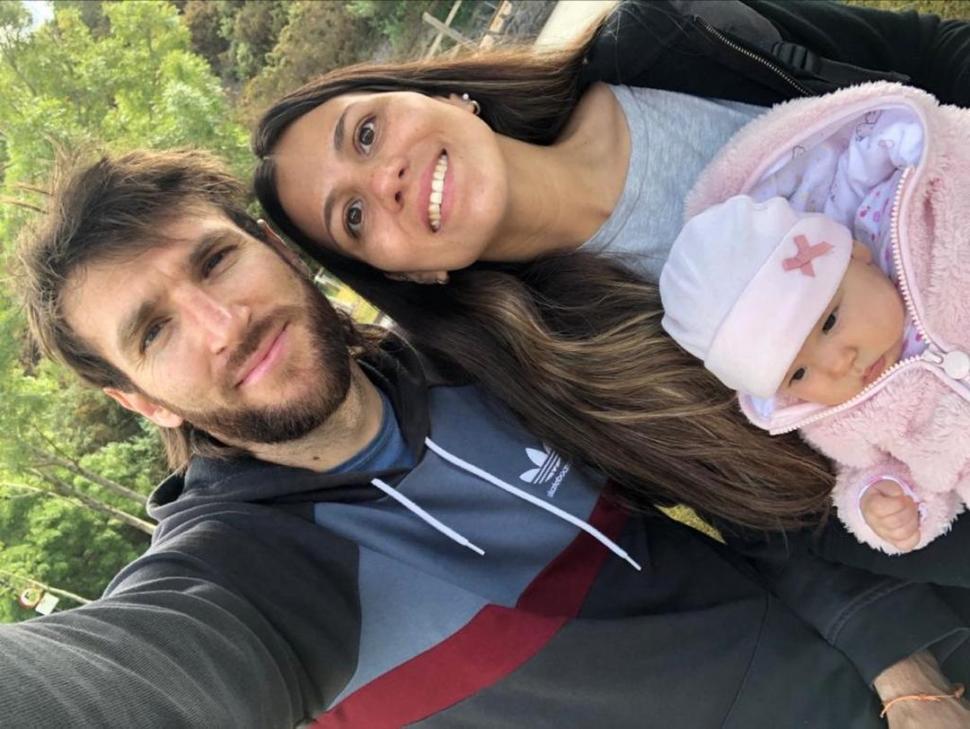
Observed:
{"x":476,"y":107}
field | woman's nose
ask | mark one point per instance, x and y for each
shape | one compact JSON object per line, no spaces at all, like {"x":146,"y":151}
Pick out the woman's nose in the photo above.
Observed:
{"x":387,"y":182}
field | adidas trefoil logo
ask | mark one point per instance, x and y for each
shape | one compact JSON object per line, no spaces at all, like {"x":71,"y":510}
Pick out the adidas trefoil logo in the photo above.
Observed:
{"x":549,"y":467}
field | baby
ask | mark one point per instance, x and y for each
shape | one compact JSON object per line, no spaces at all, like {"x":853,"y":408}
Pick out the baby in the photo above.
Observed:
{"x":810,"y":327}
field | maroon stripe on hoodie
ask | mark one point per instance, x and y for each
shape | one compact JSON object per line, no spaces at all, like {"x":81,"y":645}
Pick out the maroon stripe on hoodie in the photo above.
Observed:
{"x":489,"y":647}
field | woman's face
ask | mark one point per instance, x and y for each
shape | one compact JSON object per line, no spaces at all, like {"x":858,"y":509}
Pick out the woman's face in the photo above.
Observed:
{"x":403,"y":181}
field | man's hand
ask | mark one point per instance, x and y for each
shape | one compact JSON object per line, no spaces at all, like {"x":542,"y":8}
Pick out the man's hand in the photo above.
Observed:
{"x":891,"y":514}
{"x":920,"y":674}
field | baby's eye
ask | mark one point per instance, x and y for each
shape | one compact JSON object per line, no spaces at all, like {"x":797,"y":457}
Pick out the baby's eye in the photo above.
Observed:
{"x":365,"y":135}
{"x":353,"y":218}
{"x":798,"y":375}
{"x":830,"y":321}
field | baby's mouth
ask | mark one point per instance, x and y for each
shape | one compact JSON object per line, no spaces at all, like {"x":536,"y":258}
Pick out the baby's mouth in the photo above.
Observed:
{"x":437,"y":192}
{"x":874,"y":370}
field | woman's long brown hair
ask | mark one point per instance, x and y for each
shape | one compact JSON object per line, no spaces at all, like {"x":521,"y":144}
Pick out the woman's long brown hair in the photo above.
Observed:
{"x":572,"y":344}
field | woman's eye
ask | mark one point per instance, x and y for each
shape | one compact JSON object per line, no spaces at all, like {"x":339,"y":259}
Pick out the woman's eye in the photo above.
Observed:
{"x":799,"y":375}
{"x":354,"y":218}
{"x":830,"y":321}
{"x":210,"y":263}
{"x":365,"y":135}
{"x":151,"y":334}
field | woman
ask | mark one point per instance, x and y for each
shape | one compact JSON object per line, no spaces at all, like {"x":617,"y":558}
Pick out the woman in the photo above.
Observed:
{"x":554,"y":164}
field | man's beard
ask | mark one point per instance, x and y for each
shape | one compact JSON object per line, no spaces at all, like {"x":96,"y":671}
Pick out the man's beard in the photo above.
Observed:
{"x":310,"y":410}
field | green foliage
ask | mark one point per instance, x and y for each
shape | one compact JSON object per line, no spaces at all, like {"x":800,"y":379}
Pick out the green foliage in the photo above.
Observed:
{"x":75,"y":469}
{"x":139,"y":85}
{"x":235,"y":36}
{"x":317,"y":38}
{"x":50,"y":540}
{"x":91,"y":13}
{"x":396,"y":21}
{"x":255,"y":29}
{"x":204,"y":19}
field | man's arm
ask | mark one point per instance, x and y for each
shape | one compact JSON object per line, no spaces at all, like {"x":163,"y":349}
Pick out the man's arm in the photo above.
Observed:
{"x":171,"y":652}
{"x":920,"y":675}
{"x":875,"y":621}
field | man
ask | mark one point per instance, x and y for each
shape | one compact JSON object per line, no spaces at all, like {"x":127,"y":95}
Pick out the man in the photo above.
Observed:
{"x":349,"y":543}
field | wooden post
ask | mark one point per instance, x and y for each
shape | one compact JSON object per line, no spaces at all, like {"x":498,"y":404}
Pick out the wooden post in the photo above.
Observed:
{"x":446,"y":30}
{"x":495,"y":25}
{"x":436,"y":43}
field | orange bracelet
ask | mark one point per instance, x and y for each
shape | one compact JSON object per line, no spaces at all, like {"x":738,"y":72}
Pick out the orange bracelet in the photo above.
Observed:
{"x":957,"y":693}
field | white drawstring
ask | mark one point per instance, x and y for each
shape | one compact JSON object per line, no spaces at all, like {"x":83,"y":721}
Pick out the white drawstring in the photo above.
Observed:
{"x":564,"y":515}
{"x":425,"y":516}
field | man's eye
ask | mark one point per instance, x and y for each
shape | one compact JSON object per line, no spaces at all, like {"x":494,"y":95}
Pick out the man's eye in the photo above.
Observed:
{"x":799,"y":375}
{"x":365,"y":135}
{"x":151,"y":334}
{"x":354,"y":218}
{"x":210,"y":263}
{"x":830,"y":321}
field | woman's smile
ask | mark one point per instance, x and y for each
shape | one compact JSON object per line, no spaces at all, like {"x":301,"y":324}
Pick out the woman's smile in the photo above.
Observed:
{"x":436,"y":194}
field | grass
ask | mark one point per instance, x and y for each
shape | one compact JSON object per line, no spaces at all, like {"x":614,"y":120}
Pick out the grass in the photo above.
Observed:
{"x":954,"y":9}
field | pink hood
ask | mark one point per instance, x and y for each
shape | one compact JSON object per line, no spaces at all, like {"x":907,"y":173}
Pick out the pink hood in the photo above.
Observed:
{"x":913,"y":424}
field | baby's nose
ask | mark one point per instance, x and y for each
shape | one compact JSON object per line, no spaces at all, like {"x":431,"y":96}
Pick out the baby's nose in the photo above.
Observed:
{"x":843,"y":361}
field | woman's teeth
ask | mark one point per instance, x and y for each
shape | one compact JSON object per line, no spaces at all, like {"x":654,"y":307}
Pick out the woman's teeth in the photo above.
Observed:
{"x":437,"y":191}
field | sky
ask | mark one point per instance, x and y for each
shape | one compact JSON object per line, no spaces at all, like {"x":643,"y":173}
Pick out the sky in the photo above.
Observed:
{"x":40,"y":10}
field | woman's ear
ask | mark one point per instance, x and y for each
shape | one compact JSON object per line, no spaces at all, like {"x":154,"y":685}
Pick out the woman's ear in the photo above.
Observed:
{"x":420,"y":277}
{"x":462,"y":101}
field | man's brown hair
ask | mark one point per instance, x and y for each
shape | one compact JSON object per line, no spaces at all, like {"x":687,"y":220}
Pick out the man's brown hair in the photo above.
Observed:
{"x":114,"y":209}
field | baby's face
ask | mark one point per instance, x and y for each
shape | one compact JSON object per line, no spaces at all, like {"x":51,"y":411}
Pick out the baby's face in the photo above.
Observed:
{"x":858,"y":336}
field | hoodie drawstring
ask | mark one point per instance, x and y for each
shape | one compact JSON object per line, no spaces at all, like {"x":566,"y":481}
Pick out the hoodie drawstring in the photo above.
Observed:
{"x":508,"y":488}
{"x":425,"y":516}
{"x":526,"y":496}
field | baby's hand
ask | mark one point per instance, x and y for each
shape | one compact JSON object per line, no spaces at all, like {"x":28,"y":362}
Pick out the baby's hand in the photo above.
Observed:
{"x":891,"y":514}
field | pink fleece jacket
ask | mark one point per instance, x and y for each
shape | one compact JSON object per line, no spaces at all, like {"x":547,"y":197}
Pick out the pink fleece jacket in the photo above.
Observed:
{"x":824,"y":154}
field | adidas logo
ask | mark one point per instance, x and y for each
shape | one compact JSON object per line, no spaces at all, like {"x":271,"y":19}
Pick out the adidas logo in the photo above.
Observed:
{"x":549,"y":467}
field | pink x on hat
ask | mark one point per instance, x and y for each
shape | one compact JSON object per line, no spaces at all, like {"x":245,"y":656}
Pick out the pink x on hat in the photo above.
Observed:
{"x":745,"y":284}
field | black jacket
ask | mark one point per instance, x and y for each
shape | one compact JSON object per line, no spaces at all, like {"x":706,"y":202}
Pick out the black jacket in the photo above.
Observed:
{"x":763,"y":52}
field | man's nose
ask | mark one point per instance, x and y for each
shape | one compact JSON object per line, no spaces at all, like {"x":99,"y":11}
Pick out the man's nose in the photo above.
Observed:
{"x":219,"y":323}
{"x":387,"y":182}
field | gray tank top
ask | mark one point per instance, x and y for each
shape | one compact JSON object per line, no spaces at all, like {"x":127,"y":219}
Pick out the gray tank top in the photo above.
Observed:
{"x":672,"y":138}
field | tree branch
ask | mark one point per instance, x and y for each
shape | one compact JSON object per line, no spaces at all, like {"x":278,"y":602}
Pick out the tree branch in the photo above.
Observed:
{"x":64,"y":488}
{"x":79,"y":470}
{"x":32,"y":188}
{"x":48,"y":588}
{"x":22,"y":204}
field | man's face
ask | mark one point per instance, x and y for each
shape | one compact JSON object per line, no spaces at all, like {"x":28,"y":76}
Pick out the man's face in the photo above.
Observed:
{"x":216,"y":329}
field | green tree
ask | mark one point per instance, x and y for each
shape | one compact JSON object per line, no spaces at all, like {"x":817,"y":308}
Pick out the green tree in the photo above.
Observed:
{"x":317,"y":38}
{"x":75,"y":469}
